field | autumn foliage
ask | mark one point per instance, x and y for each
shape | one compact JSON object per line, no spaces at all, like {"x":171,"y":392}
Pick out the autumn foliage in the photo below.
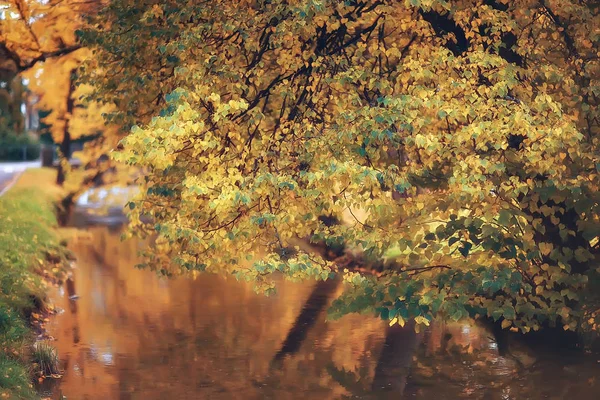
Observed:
{"x":455,"y":140}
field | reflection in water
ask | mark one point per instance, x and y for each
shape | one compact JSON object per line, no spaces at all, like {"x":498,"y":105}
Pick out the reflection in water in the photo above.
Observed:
{"x":319,"y":298}
{"x":395,"y":360}
{"x":126,"y":334}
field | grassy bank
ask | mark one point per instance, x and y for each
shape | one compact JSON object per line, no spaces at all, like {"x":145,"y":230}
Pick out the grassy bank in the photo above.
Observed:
{"x":29,"y":250}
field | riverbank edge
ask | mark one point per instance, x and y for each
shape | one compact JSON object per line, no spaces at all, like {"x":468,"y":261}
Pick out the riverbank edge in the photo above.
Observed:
{"x":31,"y":259}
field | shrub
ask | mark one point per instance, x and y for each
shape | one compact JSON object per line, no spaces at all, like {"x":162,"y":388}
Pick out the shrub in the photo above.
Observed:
{"x":18,"y":147}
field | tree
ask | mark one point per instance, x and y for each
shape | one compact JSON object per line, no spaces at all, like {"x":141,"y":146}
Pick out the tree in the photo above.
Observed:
{"x":34,"y":31}
{"x":11,"y":98}
{"x":38,"y":41}
{"x":70,"y":117}
{"x":465,"y":132}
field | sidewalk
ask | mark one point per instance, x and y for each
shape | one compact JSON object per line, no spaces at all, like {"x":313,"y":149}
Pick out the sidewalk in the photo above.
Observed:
{"x":10,"y":170}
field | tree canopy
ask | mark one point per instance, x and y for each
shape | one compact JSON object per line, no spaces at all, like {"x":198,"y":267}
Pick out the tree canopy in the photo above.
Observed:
{"x":34,"y":31}
{"x":456,"y":140}
{"x":39,"y":45}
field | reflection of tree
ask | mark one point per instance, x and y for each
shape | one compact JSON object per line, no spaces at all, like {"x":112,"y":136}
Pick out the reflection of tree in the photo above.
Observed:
{"x":213,"y":338}
{"x":461,"y":358}
{"x":353,"y":382}
{"x":396,"y":358}
{"x":209,"y":335}
{"x":203,"y":330}
{"x":311,"y":311}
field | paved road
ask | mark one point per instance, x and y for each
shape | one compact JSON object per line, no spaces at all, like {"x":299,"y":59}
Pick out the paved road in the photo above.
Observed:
{"x":8,"y":171}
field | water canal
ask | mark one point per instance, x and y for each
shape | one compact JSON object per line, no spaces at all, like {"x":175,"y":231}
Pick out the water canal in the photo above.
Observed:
{"x":126,"y":334}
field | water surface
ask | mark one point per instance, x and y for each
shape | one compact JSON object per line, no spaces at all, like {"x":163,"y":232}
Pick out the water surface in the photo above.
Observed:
{"x":126,"y":334}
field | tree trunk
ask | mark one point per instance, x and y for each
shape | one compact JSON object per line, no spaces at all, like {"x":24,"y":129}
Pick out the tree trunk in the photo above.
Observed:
{"x":15,"y":117}
{"x":65,"y":145}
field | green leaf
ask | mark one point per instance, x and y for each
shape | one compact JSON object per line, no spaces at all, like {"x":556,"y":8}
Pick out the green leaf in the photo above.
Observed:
{"x":504,"y":217}
{"x":430,"y":236}
{"x":465,"y":248}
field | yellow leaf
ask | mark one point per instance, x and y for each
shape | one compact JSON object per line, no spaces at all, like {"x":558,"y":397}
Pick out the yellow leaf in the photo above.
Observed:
{"x":545,"y":248}
{"x":539,"y":290}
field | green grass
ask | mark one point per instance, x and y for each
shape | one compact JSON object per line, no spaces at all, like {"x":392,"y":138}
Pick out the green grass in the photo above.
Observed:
{"x":27,"y":236}
{"x":15,"y":381}
{"x":46,"y":360}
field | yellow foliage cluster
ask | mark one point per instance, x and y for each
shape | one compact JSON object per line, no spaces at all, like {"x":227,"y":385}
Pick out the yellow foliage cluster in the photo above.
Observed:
{"x":467,"y":132}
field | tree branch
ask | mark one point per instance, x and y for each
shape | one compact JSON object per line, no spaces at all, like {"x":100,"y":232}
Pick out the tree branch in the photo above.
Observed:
{"x":51,"y":54}
{"x":22,"y":65}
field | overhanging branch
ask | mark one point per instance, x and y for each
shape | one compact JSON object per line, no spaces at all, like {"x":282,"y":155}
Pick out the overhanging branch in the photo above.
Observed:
{"x":44,"y":56}
{"x":21,"y":65}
